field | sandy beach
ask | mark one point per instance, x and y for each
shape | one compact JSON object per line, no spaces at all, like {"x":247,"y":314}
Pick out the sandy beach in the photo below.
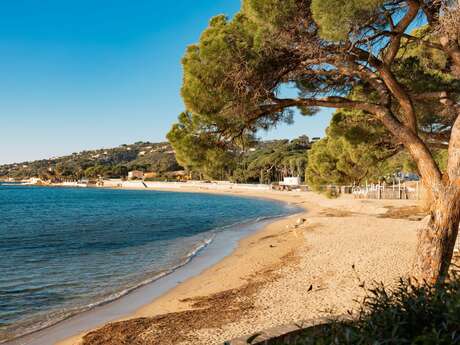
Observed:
{"x":288,"y":272}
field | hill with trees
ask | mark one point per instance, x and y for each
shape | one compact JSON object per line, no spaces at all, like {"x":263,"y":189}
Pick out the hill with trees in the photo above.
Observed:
{"x":108,"y":163}
{"x":262,"y":162}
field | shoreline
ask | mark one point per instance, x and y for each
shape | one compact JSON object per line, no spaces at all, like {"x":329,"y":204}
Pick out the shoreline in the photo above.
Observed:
{"x":248,"y":290}
{"x":90,"y":319}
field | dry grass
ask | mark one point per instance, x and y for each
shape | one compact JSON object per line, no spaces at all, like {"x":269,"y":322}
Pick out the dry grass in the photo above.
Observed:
{"x":413,"y":213}
{"x":332,"y":212}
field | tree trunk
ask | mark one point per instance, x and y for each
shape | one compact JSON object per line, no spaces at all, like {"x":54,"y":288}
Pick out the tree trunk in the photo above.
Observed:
{"x":437,"y":237}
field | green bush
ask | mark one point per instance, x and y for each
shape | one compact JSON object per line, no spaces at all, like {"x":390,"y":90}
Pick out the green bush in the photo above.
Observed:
{"x":408,"y":314}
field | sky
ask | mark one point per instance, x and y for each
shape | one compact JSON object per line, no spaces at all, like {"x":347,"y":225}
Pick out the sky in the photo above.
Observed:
{"x":88,"y":74}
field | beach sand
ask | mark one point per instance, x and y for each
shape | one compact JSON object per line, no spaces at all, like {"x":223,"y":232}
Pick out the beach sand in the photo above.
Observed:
{"x":282,"y":274}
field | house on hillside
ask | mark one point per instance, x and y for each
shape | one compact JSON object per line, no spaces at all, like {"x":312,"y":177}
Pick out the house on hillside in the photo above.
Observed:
{"x":135,"y":175}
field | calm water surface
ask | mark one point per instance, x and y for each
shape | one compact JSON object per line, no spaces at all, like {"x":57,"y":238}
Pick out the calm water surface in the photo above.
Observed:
{"x":63,"y":251}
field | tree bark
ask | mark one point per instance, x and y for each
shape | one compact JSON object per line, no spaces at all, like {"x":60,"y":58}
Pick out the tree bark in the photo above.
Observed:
{"x":437,"y":237}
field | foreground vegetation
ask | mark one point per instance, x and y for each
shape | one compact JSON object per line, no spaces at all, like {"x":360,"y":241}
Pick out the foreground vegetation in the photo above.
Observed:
{"x":408,"y":314}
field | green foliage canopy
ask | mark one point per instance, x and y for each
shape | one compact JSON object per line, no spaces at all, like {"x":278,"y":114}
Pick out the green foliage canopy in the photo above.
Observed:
{"x":198,"y":148}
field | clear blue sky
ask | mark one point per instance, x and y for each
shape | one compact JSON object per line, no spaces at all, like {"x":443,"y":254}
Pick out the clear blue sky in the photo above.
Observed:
{"x":99,"y":73}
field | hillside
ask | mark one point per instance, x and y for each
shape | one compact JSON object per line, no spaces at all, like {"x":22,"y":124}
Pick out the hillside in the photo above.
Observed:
{"x":265,"y":162}
{"x":111,"y":162}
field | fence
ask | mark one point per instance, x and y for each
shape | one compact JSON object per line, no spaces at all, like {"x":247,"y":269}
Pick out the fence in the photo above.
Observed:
{"x":404,"y":191}
{"x":408,"y":191}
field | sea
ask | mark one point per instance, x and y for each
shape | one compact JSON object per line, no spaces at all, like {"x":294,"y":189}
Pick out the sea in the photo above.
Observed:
{"x":64,"y":251}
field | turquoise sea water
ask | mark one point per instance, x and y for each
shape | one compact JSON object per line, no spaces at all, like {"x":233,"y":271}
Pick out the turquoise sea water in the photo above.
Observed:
{"x":64,"y":251}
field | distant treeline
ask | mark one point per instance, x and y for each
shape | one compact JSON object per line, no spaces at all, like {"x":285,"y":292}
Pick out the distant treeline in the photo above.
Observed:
{"x":108,"y":163}
{"x":340,"y":157}
{"x":263,"y":161}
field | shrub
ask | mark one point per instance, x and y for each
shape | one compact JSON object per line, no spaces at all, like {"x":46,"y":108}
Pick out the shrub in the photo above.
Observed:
{"x":408,"y":314}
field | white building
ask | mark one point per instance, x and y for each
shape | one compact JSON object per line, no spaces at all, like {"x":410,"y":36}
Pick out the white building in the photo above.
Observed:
{"x":291,"y":181}
{"x":35,"y":180}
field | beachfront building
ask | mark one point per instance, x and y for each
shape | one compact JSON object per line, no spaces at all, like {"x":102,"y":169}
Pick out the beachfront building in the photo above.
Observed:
{"x":150,"y":175}
{"x":291,"y":181}
{"x":178,"y":175}
{"x":35,"y":180}
{"x":135,"y":175}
